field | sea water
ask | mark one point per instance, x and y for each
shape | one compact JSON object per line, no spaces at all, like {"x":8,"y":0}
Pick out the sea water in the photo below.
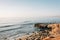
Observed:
{"x":11,"y":28}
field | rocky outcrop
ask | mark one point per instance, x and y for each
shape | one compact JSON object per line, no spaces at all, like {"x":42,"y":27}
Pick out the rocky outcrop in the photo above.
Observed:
{"x":34,"y":36}
{"x":52,"y":28}
{"x":50,"y":32}
{"x":55,"y":28}
{"x":41,"y":25}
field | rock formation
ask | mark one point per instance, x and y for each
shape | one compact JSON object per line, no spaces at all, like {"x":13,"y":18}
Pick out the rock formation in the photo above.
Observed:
{"x":50,"y":32}
{"x":57,"y":37}
{"x":55,"y":28}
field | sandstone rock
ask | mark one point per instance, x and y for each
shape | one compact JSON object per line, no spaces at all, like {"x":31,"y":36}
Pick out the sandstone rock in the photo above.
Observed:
{"x":54,"y":28}
{"x":57,"y":37}
{"x":25,"y":37}
{"x":33,"y":36}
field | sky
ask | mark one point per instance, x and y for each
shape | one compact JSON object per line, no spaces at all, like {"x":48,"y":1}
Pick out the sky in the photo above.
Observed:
{"x":29,"y":8}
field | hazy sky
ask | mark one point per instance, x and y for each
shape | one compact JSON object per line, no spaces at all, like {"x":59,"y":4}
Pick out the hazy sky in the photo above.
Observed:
{"x":29,"y":8}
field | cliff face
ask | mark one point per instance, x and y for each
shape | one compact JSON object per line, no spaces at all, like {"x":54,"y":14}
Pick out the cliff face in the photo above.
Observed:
{"x":55,"y":28}
{"x":50,"y":32}
{"x":55,"y":32}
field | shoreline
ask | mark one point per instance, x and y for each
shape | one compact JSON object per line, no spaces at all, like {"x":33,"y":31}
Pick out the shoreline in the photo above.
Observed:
{"x":52,"y":33}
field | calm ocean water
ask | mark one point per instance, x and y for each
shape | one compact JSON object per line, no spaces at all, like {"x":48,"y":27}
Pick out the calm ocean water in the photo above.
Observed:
{"x":10,"y":28}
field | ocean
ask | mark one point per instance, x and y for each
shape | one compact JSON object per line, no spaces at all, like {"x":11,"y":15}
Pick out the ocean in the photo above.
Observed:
{"x":11,"y":28}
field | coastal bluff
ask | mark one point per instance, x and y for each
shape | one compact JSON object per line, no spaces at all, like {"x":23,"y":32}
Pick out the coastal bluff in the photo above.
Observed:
{"x":51,"y":31}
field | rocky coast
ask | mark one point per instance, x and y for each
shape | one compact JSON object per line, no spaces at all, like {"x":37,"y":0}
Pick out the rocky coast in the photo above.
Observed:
{"x":47,"y":31}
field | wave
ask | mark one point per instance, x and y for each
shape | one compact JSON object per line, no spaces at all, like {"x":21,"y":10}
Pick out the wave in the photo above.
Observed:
{"x":11,"y":29}
{"x":9,"y":25}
